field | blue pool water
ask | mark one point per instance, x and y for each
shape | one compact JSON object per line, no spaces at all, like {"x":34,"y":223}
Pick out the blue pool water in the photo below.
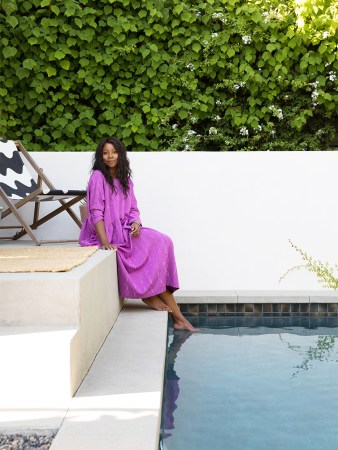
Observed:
{"x":252,"y":383}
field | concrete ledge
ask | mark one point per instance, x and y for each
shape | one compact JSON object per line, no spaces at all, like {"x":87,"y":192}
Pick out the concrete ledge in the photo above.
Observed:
{"x":118,"y":405}
{"x":51,"y":327}
{"x":206,"y":296}
{"x":261,"y":296}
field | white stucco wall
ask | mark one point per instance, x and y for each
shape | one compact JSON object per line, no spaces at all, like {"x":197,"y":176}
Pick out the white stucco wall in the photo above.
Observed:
{"x":230,"y":214}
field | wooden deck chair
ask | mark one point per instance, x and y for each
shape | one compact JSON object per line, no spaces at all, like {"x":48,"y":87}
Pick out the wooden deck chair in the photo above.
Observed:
{"x":17,"y":188}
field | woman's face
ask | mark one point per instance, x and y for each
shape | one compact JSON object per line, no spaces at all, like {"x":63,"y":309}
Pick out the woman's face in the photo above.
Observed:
{"x":110,"y":156}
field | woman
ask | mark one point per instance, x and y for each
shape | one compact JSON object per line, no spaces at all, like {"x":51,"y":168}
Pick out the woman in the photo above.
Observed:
{"x":145,"y":258}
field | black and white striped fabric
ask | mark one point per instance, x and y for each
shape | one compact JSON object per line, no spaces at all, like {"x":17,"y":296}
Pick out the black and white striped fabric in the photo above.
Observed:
{"x":17,"y":182}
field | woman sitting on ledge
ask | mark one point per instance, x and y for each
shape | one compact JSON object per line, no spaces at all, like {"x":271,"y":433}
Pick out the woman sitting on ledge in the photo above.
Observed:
{"x":145,"y":258}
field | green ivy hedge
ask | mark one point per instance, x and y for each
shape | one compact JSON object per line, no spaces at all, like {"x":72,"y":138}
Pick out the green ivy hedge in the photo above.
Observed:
{"x":169,"y":74}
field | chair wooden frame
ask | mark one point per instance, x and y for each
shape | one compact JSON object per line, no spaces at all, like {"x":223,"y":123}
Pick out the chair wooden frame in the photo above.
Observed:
{"x":13,"y":207}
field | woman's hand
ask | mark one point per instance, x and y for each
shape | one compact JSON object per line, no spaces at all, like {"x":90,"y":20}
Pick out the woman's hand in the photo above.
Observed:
{"x":109,"y":246}
{"x":135,"y":229}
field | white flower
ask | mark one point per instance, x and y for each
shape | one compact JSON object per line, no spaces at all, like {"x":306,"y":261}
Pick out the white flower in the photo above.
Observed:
{"x":205,"y":42}
{"x":325,"y":35}
{"x":266,"y":16}
{"x":174,"y":126}
{"x":219,"y":16}
{"x":198,"y":13}
{"x":239,"y":85}
{"x":218,"y":102}
{"x":191,"y":132}
{"x":332,"y":75}
{"x":190,"y":66}
{"x":277,"y":112}
{"x":186,"y":148}
{"x":246,"y":39}
{"x":273,"y":132}
{"x":185,"y":139}
{"x":216,"y":118}
{"x":259,"y":127}
{"x":314,"y":95}
{"x":244,"y":131}
{"x":214,"y":35}
{"x":315,"y":84}
{"x":212,"y":130}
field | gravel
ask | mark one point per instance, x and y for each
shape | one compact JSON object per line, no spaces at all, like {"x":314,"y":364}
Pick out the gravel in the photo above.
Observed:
{"x":26,"y":442}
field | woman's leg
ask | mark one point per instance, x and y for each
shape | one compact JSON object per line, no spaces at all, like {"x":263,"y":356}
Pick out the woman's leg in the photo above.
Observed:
{"x":156,"y":303}
{"x":180,"y":322}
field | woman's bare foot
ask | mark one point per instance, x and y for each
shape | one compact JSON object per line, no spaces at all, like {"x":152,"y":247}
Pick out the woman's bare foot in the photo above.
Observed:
{"x":156,"y":303}
{"x":184,"y":325}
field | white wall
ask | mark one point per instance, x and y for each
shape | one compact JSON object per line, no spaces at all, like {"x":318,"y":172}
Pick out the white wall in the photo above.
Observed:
{"x":230,"y":214}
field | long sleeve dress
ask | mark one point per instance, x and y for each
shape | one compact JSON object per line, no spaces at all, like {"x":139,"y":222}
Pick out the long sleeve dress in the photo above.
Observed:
{"x":146,"y":264}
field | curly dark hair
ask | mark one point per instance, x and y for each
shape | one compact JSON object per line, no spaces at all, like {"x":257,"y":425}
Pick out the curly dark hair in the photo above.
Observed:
{"x":123,"y":167}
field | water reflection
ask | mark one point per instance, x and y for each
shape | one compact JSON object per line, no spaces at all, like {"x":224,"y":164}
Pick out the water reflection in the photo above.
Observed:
{"x":172,"y":387}
{"x":323,"y":351}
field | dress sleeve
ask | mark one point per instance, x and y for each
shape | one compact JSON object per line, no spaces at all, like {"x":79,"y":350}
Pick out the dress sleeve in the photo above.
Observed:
{"x":96,"y":196}
{"x":134,"y":214}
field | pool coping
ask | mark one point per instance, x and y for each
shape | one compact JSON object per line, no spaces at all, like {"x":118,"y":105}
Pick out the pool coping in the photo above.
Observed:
{"x":257,"y":296}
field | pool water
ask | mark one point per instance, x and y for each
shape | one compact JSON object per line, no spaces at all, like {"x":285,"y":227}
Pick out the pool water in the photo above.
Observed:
{"x":265,"y":384}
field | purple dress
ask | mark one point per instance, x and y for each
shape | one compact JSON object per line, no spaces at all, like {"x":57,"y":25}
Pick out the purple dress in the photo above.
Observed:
{"x":146,"y":264}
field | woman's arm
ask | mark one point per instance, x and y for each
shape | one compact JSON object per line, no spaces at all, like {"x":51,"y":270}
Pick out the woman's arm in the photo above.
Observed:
{"x":101,"y":232}
{"x":96,"y":206}
{"x":134,"y":213}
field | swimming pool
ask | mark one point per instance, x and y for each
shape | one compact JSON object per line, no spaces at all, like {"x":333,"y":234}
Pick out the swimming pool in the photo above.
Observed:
{"x":247,"y":383}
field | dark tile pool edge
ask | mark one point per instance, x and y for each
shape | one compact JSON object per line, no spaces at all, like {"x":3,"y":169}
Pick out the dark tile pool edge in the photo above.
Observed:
{"x":259,"y":309}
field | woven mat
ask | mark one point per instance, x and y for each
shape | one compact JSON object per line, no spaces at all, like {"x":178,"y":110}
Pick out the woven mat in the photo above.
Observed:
{"x":43,"y":259}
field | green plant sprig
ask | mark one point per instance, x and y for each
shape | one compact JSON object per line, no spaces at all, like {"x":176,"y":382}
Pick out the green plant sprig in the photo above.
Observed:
{"x":324,"y":272}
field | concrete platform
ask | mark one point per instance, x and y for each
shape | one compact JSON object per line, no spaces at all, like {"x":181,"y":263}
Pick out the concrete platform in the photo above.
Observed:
{"x":51,"y":327}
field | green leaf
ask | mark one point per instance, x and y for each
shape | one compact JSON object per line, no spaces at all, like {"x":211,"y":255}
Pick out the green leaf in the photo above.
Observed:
{"x":65,"y":64}
{"x":186,"y":16}
{"x":8,"y":52}
{"x":21,"y":72}
{"x":56,"y":134}
{"x":28,"y":64}
{"x":59,"y":54}
{"x":196,"y":47}
{"x":179,"y":8}
{"x":183,"y":114}
{"x":51,"y":71}
{"x":107,"y":10}
{"x":55,"y":9}
{"x":41,"y":109}
{"x":44,"y":3}
{"x":321,"y":80}
{"x":12,"y":21}
{"x":151,"y":72}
